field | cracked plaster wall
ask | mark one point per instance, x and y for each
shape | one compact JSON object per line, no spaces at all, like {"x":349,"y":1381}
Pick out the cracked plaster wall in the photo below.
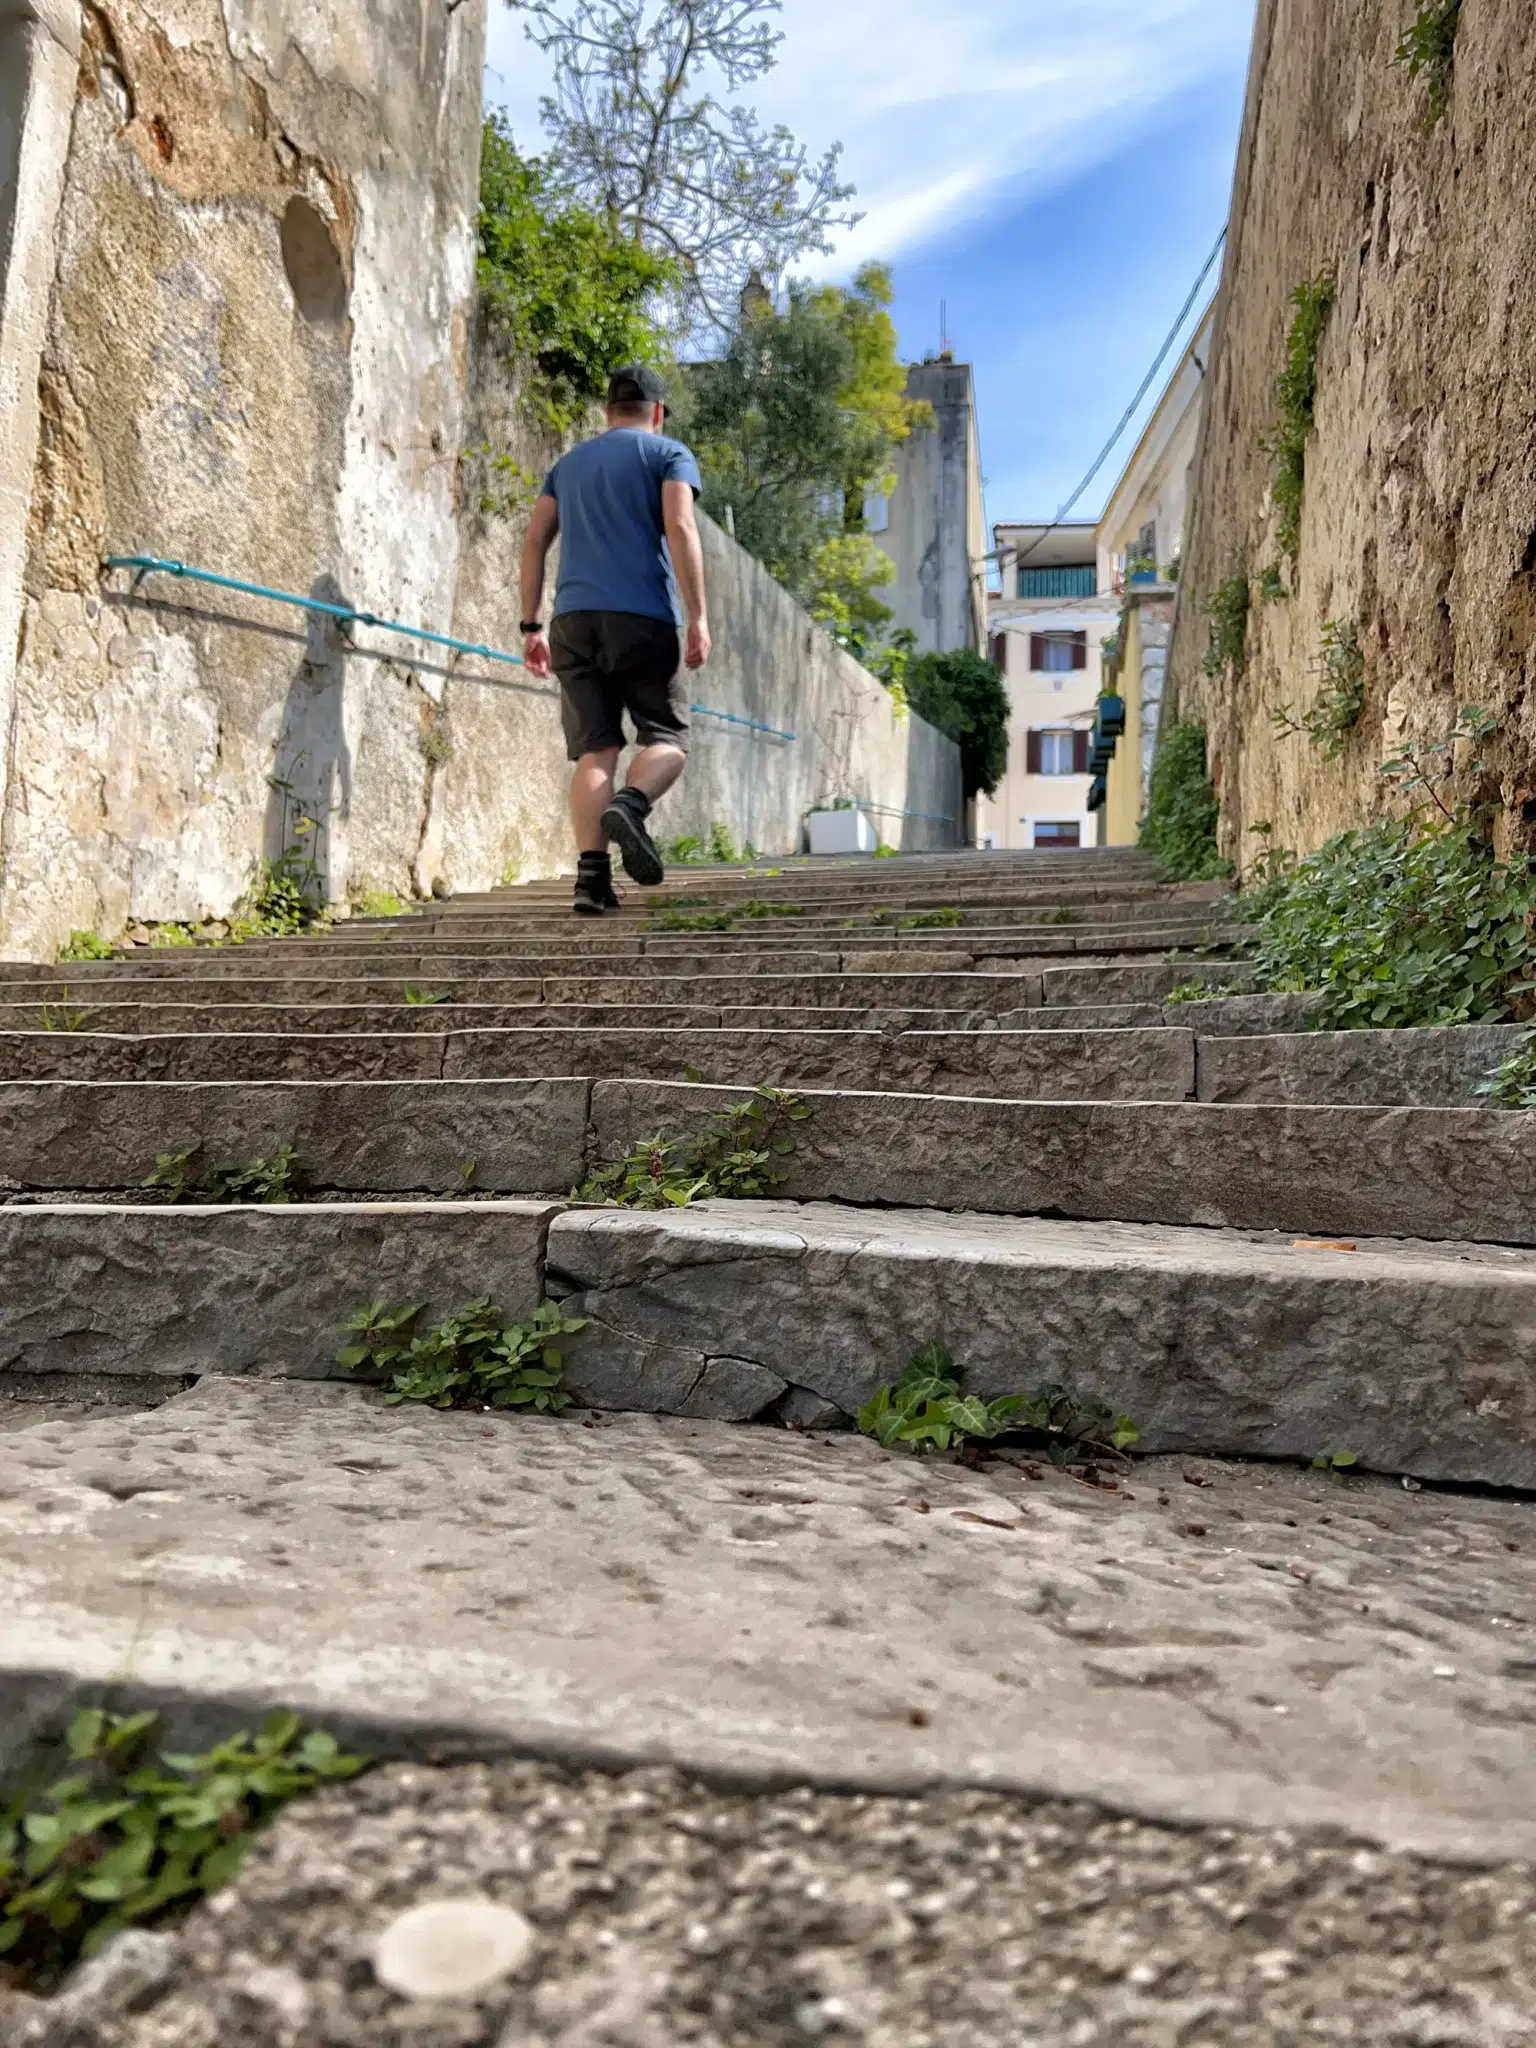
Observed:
{"x":1419,"y":520}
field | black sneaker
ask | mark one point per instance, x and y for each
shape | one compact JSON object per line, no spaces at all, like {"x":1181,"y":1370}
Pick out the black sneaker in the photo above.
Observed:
{"x":624,"y":822}
{"x":594,"y":888}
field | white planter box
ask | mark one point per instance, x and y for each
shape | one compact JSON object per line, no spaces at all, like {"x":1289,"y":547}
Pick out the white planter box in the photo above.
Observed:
{"x":842,"y":832}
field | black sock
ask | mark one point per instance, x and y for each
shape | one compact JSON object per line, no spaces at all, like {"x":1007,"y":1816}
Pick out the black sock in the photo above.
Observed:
{"x":637,"y":800}
{"x":594,"y":867}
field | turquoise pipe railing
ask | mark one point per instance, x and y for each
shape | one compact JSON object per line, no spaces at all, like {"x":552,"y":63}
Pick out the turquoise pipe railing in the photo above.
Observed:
{"x":158,"y":565}
{"x":155,"y":565}
{"x":891,"y":811}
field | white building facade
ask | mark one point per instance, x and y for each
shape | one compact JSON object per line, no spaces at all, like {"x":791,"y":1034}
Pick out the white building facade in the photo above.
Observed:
{"x":1047,"y":625}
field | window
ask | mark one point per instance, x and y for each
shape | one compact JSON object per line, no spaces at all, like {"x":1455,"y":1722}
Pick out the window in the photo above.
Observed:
{"x":997,"y":651}
{"x":1081,"y":581}
{"x":1054,"y":653}
{"x":1056,"y":753}
{"x":1065,"y":832}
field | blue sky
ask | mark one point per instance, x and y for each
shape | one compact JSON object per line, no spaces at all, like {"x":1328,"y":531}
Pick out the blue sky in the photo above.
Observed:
{"x":1056,"y":169}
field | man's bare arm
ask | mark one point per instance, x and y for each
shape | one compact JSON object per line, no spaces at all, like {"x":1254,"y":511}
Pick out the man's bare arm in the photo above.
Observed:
{"x":687,"y":552}
{"x":542,"y":528}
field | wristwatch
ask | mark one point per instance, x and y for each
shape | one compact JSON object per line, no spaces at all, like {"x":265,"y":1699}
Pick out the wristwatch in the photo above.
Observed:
{"x":531,"y":626}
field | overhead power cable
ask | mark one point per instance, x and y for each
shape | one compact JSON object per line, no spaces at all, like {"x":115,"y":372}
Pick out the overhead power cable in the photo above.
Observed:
{"x":1130,"y":411}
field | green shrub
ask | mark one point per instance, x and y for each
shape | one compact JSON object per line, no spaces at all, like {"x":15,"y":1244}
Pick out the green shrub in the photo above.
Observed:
{"x":1296,"y":397}
{"x":186,"y":1176}
{"x":87,"y":946}
{"x":125,"y":1837}
{"x":1180,"y":826}
{"x":1512,"y":1084}
{"x":1428,"y":50}
{"x":378,"y":903}
{"x":1409,"y":921}
{"x":967,"y":699}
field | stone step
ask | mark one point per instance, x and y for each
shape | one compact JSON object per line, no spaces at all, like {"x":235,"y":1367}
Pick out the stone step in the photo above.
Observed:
{"x":1417,"y":1358}
{"x":636,"y":982}
{"x":417,"y":1582}
{"x":1432,"y":1174}
{"x":1153,"y":1065}
{"x":1445,"y":1066}
{"x":1413,"y":1357}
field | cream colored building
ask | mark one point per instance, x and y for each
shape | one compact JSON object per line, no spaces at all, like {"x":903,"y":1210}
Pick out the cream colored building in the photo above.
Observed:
{"x":1140,"y":541}
{"x":1048,"y":624}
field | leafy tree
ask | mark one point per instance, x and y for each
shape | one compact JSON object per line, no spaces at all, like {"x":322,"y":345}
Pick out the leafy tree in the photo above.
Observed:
{"x":794,"y":424}
{"x":561,"y":288}
{"x":965,"y":697}
{"x":688,"y":175}
{"x":848,"y":570}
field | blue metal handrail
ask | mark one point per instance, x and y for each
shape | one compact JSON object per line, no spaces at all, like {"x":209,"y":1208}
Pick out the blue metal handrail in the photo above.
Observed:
{"x":159,"y":565}
{"x":730,"y":717}
{"x":154,"y":564}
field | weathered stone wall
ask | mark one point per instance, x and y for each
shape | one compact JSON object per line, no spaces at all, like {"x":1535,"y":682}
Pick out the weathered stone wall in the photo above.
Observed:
{"x":1419,"y":519}
{"x":253,"y":361}
{"x":236,"y":330}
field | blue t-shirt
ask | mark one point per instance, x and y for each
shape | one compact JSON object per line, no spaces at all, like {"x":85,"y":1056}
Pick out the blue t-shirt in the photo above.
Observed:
{"x":613,"y":552}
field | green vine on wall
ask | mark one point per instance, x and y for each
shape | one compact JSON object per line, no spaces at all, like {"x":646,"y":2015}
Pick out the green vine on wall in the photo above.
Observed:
{"x":1180,"y":825}
{"x":1296,"y":396}
{"x":1226,"y":612}
{"x":1336,"y":709}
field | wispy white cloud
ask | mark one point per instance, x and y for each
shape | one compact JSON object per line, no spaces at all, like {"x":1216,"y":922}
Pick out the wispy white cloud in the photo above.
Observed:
{"x":938,"y":107}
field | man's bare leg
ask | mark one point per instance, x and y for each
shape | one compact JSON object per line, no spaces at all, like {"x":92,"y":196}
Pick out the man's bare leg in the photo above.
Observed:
{"x":652,"y":772}
{"x":655,"y":768}
{"x":591,"y":794}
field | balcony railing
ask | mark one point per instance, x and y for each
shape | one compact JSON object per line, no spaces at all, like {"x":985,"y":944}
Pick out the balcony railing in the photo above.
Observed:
{"x":1078,"y":582}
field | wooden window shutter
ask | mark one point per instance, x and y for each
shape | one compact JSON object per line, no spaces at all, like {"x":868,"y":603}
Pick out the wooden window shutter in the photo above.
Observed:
{"x":1080,"y":744}
{"x":1037,"y":651}
{"x":1032,"y":753}
{"x":1079,"y":650}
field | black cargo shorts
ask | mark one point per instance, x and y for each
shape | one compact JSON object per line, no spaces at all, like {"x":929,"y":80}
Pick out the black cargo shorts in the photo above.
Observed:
{"x":612,"y":662}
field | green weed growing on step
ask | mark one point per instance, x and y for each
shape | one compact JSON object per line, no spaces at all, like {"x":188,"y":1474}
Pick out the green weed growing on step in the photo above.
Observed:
{"x":186,"y":1176}
{"x":884,"y":852}
{"x":283,"y":901}
{"x":1296,"y":405}
{"x":737,"y":1158}
{"x":723,"y":920}
{"x":87,"y":946}
{"x":1199,"y":991}
{"x":928,"y":1408}
{"x":1335,"y":710}
{"x":943,"y":919}
{"x":126,"y":1836}
{"x":1410,"y":921}
{"x":474,"y":1358}
{"x":419,"y":997}
{"x":163,"y":935}
{"x":1512,"y":1084}
{"x":1335,"y":1463}
{"x":1428,"y":51}
{"x":1180,"y":826}
{"x":716,"y":848}
{"x":378,"y":903}
{"x":1226,"y":613}
{"x":60,"y":1017}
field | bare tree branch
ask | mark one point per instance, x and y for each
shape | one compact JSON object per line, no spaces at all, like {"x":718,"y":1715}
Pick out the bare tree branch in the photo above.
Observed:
{"x":675,"y":165}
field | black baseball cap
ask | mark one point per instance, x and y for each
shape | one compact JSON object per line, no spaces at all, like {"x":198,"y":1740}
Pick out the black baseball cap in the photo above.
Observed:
{"x":636,"y":384}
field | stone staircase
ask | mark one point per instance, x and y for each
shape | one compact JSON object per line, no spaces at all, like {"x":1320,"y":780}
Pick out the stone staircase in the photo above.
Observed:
{"x":1180,"y":1748}
{"x":1258,"y":1240}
